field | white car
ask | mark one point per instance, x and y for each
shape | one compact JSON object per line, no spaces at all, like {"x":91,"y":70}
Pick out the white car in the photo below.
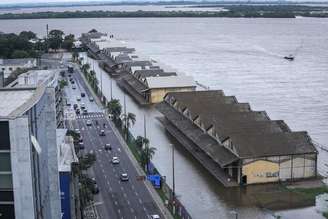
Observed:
{"x":154,"y":216}
{"x":124,"y":177}
{"x":73,"y":87}
{"x":115,"y":160}
{"x":77,"y":131}
{"x":78,"y":98}
{"x":89,"y":123}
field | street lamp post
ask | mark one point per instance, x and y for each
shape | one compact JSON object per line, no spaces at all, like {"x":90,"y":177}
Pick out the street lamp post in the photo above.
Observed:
{"x":173,"y":180}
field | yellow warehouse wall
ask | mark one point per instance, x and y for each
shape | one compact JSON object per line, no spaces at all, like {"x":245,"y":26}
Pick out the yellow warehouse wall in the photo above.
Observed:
{"x":261,"y":171}
{"x":157,"y":95}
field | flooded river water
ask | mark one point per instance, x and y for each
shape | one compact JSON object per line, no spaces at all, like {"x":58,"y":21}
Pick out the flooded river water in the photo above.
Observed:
{"x":244,"y":58}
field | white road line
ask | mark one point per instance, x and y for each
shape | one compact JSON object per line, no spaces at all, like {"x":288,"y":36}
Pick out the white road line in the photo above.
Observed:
{"x":145,"y":209}
{"x":110,"y":189}
{"x":122,"y":188}
{"x":107,"y":182}
{"x":115,"y":202}
{"x":132,"y":187}
{"x":119,"y":211}
{"x":137,"y":194}
{"x":124,"y":194}
{"x":140,"y":201}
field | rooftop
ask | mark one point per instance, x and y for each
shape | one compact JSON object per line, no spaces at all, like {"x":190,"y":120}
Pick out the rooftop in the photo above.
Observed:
{"x":141,"y":74}
{"x":252,"y":133}
{"x":15,"y":101}
{"x":35,"y":77}
{"x":170,"y":81}
{"x":17,"y":61}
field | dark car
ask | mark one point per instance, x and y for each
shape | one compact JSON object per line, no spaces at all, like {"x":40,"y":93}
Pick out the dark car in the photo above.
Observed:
{"x":102,"y":132}
{"x":85,"y":112}
{"x":82,"y":94}
{"x":77,"y":111}
{"x":95,"y":189}
{"x":108,"y":147}
{"x":75,"y":106}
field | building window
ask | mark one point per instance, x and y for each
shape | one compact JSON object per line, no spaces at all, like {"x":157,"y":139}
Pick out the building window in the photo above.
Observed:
{"x":10,"y":68}
{"x":7,"y":211}
{"x":5,"y":162}
{"x":6,"y":181}
{"x":4,"y":136}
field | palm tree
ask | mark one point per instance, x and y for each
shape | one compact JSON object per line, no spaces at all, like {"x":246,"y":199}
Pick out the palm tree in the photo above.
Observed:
{"x":128,"y":121}
{"x":147,"y":155}
{"x":85,"y":68}
{"x":141,"y":141}
{"x":114,"y":107}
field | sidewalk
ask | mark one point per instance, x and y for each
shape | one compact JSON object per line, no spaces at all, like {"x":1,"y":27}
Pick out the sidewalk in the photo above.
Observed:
{"x":135,"y":163}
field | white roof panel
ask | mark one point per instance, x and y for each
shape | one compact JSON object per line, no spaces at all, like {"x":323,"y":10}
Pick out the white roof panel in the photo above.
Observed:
{"x":171,"y":81}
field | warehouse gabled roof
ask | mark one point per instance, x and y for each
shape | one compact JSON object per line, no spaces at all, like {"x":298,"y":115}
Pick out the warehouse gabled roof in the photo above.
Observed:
{"x":252,"y":133}
{"x":142,"y":74}
{"x":170,"y":82}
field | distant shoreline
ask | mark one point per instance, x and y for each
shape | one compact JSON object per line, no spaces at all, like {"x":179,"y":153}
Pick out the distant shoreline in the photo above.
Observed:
{"x":231,"y":11}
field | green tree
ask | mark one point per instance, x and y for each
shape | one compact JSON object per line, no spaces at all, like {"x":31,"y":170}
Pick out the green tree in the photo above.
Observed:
{"x":85,"y":68}
{"x":114,"y":107}
{"x":55,"y":39}
{"x":28,"y":35}
{"x":141,"y":141}
{"x":18,"y":54}
{"x":62,"y":83}
{"x":147,"y":155}
{"x":128,"y":121}
{"x":68,"y":42}
{"x":93,"y":31}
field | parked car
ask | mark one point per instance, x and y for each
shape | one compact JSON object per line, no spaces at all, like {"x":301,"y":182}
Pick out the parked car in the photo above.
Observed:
{"x":89,"y":123}
{"x":82,"y":94}
{"x":102,"y":132}
{"x":108,"y":147}
{"x":124,"y":177}
{"x":115,"y":160}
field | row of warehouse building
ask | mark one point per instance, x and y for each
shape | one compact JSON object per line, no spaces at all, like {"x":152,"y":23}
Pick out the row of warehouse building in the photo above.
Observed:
{"x":237,"y":145}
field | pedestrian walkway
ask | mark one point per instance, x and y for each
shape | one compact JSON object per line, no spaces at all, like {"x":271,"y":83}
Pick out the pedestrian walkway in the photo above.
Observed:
{"x":91,"y":115}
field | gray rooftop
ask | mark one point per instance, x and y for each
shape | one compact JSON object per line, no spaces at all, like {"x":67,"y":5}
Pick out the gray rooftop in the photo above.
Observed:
{"x":16,"y":101}
{"x":170,"y":82}
{"x":10,"y":62}
{"x":252,"y":133}
{"x":142,"y":74}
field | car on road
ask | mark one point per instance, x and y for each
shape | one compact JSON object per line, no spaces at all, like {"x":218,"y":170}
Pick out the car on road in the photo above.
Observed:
{"x":73,"y":87}
{"x":91,"y":99}
{"x":77,"y":131}
{"x":115,"y":160}
{"x":124,"y":177}
{"x":95,"y":189}
{"x":68,"y":103}
{"x":85,"y":112}
{"x":89,"y":123}
{"x":72,"y":81}
{"x":81,"y":145}
{"x":108,"y":147}
{"x":82,"y":94}
{"x":102,"y":132}
{"x":78,"y":98}
{"x":82,"y":105}
{"x":77,"y":111}
{"x":75,"y":106}
{"x":154,"y":216}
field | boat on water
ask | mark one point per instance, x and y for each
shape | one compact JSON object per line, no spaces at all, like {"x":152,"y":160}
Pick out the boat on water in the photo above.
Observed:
{"x":290,"y":57}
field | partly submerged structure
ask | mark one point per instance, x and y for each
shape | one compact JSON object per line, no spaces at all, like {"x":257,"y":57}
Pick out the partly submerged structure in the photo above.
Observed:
{"x":237,"y":145}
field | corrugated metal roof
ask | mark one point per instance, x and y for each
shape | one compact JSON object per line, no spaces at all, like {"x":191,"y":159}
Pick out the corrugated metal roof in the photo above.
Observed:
{"x":170,"y":81}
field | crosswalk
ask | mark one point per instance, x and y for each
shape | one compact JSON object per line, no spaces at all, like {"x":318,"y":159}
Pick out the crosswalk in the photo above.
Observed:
{"x":90,"y":116}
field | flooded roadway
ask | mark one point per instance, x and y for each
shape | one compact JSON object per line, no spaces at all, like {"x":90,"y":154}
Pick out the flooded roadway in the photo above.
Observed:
{"x":203,"y":196}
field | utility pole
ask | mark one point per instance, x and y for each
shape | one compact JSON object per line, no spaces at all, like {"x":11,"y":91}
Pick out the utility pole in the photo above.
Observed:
{"x":111,"y":89}
{"x":125,"y":117}
{"x":173,"y":180}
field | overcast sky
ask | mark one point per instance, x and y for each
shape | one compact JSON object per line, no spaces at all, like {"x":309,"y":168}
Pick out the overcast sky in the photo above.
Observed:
{"x":44,"y":1}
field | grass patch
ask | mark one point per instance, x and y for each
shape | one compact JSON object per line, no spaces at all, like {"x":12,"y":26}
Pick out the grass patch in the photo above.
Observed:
{"x":310,"y":193}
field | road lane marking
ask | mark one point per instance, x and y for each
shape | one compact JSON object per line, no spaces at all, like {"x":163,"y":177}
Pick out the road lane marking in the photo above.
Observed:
{"x":122,"y":188}
{"x":140,"y":201}
{"x":115,"y":202}
{"x":110,"y":189}
{"x":128,"y":202}
{"x":145,"y":209}
{"x":136,"y":194}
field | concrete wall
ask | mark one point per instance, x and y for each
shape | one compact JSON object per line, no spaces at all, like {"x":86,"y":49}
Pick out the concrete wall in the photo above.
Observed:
{"x":157,"y":95}
{"x":21,"y":168}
